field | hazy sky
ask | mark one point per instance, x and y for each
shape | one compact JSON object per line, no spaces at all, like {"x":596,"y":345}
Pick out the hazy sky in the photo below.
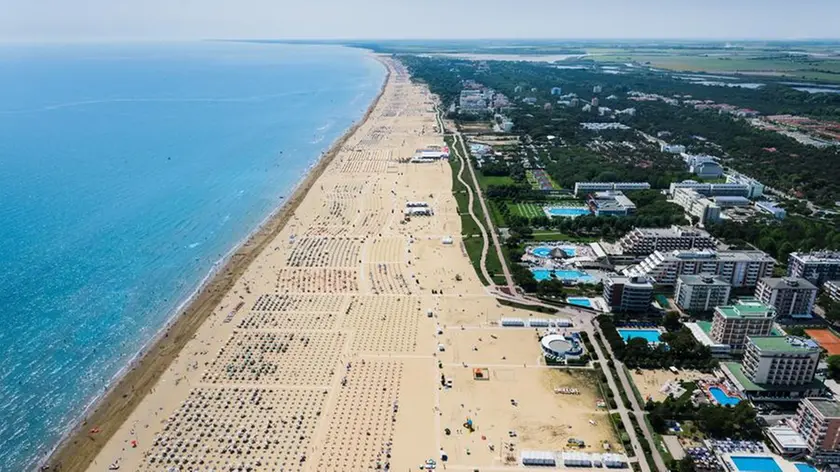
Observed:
{"x":49,"y":20}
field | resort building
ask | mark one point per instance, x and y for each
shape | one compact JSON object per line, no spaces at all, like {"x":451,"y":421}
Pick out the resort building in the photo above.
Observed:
{"x":472,"y":102}
{"x":776,"y":368}
{"x":697,"y":205}
{"x":818,"y":267}
{"x":770,"y":207}
{"x":832,"y":288}
{"x":645,"y":241}
{"x":628,"y":293}
{"x":738,"y":268}
{"x":755,"y":188}
{"x":793,"y":297}
{"x":584,"y":188}
{"x":672,"y":148}
{"x":701,"y":293}
{"x":712,"y":190}
{"x":731,"y":202}
{"x":611,"y":203}
{"x":705,"y":167}
{"x":818,"y":422}
{"x":732,"y":324}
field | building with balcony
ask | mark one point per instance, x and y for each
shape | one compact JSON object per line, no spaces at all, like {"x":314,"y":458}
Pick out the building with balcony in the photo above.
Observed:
{"x":701,"y":293}
{"x":755,"y":188}
{"x":818,"y":422}
{"x":776,"y":368}
{"x":697,"y":205}
{"x":732,"y":324}
{"x":817,"y":267}
{"x":628,"y":293}
{"x":644,"y":241}
{"x":584,"y":188}
{"x":712,"y":190}
{"x":611,"y":203}
{"x":793,"y":297}
{"x":832,"y":288}
{"x":738,"y":268}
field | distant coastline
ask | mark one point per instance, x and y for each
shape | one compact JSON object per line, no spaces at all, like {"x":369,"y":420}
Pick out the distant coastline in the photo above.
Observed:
{"x":129,"y":386}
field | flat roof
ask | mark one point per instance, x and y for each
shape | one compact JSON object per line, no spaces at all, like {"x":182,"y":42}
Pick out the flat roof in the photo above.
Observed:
{"x":703,"y":280}
{"x":783,"y":343}
{"x":749,"y":310}
{"x":787,"y":437}
{"x":828,"y":408}
{"x":737,"y":371}
{"x":788,"y":282}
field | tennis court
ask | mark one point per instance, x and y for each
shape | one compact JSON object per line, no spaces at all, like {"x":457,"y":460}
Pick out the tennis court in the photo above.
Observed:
{"x":826,"y":339}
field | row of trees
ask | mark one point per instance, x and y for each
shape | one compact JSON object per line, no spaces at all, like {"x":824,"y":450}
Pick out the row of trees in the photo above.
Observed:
{"x":720,"y":422}
{"x":780,"y":238}
{"x":678,"y":348}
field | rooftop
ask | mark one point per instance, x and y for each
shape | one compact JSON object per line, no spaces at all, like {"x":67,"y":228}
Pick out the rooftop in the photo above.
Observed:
{"x":703,"y":280}
{"x":788,"y":282}
{"x":817,"y":256}
{"x":748,"y":385}
{"x":783,"y":343}
{"x":828,"y":408}
{"x":746,"y":308}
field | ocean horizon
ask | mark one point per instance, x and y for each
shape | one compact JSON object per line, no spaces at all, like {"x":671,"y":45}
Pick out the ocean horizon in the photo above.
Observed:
{"x":127,"y":172}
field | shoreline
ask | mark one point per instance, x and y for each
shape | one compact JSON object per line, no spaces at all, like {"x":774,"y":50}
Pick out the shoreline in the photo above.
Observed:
{"x":135,"y":380}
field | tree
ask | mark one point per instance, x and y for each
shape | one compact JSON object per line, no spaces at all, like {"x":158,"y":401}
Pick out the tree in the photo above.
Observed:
{"x":672,"y":321}
{"x":834,"y":367}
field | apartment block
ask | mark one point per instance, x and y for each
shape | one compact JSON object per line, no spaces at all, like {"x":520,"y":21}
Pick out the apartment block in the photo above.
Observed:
{"x":732,"y":324}
{"x":738,"y":268}
{"x":697,"y":205}
{"x":817,"y":267}
{"x":628,"y":293}
{"x":700,"y":293}
{"x":781,"y":360}
{"x":832,"y":287}
{"x":712,"y":190}
{"x":789,"y":296}
{"x":644,"y":241}
{"x":818,"y":422}
{"x":583,"y":188}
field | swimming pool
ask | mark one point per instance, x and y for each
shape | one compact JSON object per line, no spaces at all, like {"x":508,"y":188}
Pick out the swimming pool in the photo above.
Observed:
{"x":722,"y":398}
{"x":801,"y":467}
{"x":755,"y":464}
{"x":579,"y":301}
{"x":567,"y":211}
{"x":545,"y":251}
{"x":651,"y":335}
{"x":564,"y":275}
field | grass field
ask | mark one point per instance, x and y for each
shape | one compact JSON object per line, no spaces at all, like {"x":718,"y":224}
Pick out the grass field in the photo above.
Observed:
{"x":486,"y":180}
{"x":528,"y":210}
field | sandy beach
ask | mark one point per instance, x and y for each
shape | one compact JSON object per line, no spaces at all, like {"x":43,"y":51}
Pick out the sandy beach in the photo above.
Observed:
{"x":327,"y":349}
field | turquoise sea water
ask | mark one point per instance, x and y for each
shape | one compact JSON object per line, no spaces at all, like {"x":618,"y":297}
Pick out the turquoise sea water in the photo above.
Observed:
{"x":126,"y":172}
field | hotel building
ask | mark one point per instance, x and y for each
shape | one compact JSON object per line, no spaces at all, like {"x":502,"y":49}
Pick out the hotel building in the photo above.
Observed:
{"x":776,"y":368}
{"x":817,"y":267}
{"x":583,"y":188}
{"x":818,"y":422}
{"x":738,"y":268}
{"x":628,"y":293}
{"x":700,"y":293}
{"x":697,"y":205}
{"x":732,"y":324}
{"x":789,"y":296}
{"x":644,"y":241}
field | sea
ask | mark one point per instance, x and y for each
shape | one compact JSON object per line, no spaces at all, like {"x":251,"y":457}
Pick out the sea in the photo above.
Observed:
{"x":127,"y":172}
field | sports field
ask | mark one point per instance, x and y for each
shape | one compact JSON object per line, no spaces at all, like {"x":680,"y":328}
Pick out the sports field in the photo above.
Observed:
{"x":826,"y":339}
{"x":528,"y":210}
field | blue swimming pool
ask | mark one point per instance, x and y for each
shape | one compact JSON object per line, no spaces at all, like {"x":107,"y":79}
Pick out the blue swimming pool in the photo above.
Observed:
{"x":564,"y":275}
{"x":802,"y":467}
{"x":579,"y":301}
{"x":755,"y":464}
{"x":567,"y":211}
{"x":722,"y":398}
{"x":651,"y":335}
{"x":545,"y":251}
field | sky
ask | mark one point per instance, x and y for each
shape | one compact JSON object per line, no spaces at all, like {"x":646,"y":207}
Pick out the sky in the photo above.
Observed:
{"x":94,"y":20}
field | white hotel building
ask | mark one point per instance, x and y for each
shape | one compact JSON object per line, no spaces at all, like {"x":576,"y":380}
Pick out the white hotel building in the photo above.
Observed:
{"x":738,"y":268}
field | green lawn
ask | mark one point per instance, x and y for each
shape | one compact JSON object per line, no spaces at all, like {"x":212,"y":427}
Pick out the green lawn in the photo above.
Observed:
{"x":486,"y":180}
{"x":558,"y":236}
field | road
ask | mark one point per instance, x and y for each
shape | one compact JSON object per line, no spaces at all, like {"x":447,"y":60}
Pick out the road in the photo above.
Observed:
{"x":493,"y":233}
{"x":638,"y":411}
